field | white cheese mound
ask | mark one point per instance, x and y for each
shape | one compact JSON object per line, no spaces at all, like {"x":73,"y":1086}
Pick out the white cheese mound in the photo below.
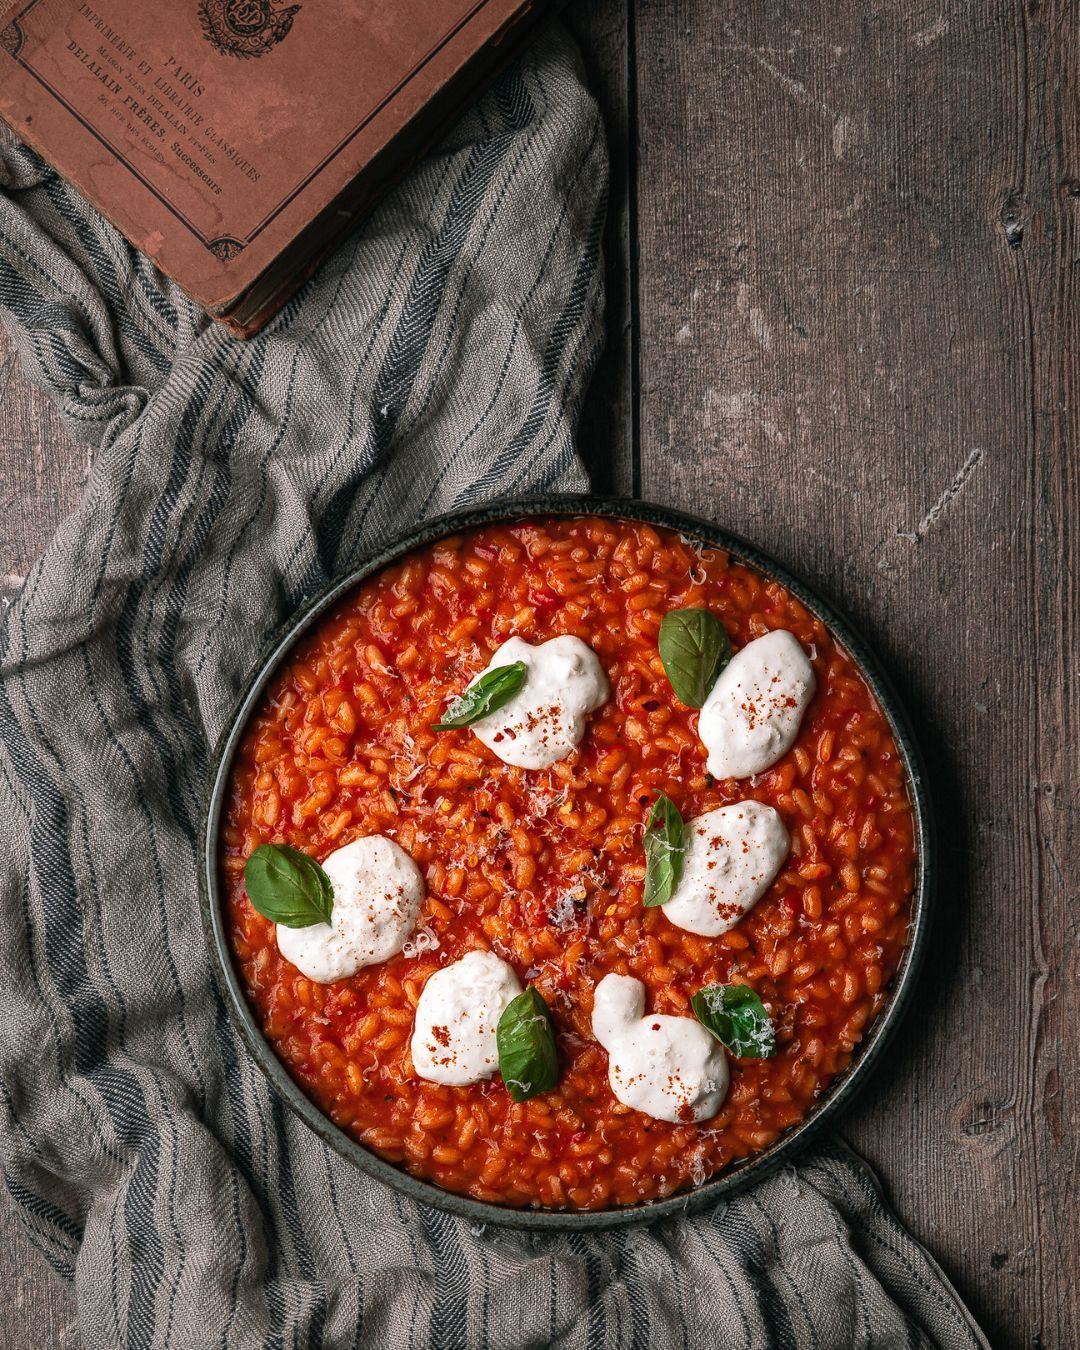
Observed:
{"x":545,"y":720}
{"x":457,"y":1015}
{"x":378,"y":891}
{"x":732,"y":856}
{"x":669,"y":1068}
{"x":755,"y":709}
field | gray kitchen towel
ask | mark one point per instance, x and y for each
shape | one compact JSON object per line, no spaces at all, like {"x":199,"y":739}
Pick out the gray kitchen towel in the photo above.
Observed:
{"x":438,"y":358}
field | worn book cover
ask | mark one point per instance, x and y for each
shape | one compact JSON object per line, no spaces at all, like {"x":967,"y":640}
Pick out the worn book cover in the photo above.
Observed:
{"x":236,"y":141}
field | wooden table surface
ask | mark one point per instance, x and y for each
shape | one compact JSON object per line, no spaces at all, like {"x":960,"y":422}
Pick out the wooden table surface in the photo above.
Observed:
{"x":842,"y":255}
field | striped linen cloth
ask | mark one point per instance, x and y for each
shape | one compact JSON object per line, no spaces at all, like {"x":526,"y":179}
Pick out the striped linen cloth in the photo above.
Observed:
{"x":438,"y":358}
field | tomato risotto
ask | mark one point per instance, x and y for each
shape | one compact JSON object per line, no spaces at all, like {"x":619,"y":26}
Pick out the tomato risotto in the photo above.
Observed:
{"x":546,"y":868}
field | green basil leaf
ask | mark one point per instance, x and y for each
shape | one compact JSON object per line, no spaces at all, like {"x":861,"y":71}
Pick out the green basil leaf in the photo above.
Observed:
{"x":525,"y":1036}
{"x":665,"y":851}
{"x":694,"y":647}
{"x":487,"y":695}
{"x":288,"y":887}
{"x":737,"y":1018}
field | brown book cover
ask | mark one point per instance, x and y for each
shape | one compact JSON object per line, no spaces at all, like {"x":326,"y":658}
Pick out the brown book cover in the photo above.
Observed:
{"x":236,"y":141}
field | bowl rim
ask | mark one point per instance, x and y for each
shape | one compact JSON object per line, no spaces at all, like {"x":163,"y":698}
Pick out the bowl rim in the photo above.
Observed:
{"x":843,"y":1087}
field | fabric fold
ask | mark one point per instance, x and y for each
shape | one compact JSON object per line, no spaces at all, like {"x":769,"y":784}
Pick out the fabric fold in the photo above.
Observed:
{"x":438,"y":358}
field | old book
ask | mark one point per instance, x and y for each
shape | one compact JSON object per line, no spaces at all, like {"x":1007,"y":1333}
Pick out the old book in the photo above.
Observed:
{"x":235,"y":142}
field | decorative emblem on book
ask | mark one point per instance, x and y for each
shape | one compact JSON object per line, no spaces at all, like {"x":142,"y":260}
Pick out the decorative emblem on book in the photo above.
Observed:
{"x":245,"y":27}
{"x":225,"y":248}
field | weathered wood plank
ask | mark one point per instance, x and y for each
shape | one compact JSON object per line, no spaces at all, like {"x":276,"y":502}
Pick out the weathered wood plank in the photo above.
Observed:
{"x":38,"y":1311}
{"x":41,"y":471}
{"x":858,"y":348}
{"x":607,"y":434}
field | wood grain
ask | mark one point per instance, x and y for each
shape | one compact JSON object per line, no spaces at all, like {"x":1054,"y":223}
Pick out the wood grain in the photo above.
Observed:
{"x":858,"y":239}
{"x":608,"y":423}
{"x":41,"y":471}
{"x":842,"y":255}
{"x":38,"y":1311}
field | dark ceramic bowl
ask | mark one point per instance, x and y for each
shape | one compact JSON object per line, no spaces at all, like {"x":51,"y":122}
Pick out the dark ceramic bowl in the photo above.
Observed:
{"x":739,"y":1175}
